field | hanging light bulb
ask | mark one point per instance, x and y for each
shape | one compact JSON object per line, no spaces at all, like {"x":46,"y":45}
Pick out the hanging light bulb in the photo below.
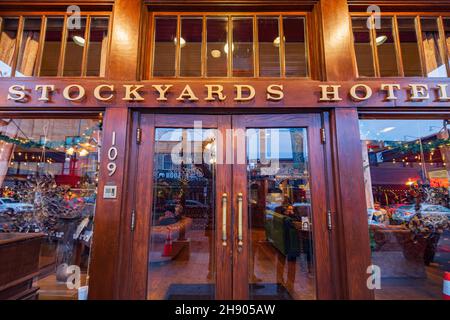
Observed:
{"x":225,"y":48}
{"x":182,"y":42}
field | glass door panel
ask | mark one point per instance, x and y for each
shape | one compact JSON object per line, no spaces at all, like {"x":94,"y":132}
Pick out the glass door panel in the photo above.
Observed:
{"x":182,"y":245}
{"x":280,"y":209}
{"x":279,"y":213}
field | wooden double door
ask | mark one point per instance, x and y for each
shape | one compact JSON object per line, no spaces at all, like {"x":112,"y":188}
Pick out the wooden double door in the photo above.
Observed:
{"x":230,"y":207}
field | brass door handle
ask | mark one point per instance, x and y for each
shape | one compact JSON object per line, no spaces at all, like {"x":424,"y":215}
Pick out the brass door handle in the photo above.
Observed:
{"x":240,"y":237}
{"x":224,"y":219}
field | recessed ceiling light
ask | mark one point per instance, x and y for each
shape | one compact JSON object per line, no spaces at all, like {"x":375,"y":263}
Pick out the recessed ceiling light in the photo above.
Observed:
{"x":216,"y":53}
{"x":380,"y":40}
{"x":79,"y":40}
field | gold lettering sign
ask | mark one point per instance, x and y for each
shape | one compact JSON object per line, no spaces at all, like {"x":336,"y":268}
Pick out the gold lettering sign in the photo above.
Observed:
{"x":327,"y":93}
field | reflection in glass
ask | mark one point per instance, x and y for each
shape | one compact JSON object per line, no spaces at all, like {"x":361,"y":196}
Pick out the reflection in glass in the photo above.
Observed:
{"x":191,"y":47}
{"x":181,"y":263}
{"x":447,"y":35}
{"x":217,"y":46}
{"x":243,"y":47}
{"x":281,"y":263}
{"x":52,"y":47}
{"x":406,"y":174}
{"x":387,"y":56}
{"x":28,"y":52}
{"x":98,"y":45}
{"x":409,"y":47}
{"x":434,"y":62}
{"x":295,"y":47}
{"x":363,"y":47}
{"x":7,"y":44}
{"x":165,"y":46}
{"x":74,"y":50}
{"x":48,"y":181}
{"x":269,"y":46}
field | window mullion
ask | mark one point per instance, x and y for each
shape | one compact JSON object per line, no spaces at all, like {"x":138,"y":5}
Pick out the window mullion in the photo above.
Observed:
{"x":421,"y":48}
{"x":373,"y":44}
{"x":282,"y":49}
{"x":87,"y":34}
{"x":230,"y":48}
{"x":398,"y":48}
{"x":178,"y":48}
{"x":17,"y":46}
{"x":443,"y":44}
{"x":37,"y":67}
{"x":255,"y":48}
{"x":63,"y":49}
{"x":204,"y":54}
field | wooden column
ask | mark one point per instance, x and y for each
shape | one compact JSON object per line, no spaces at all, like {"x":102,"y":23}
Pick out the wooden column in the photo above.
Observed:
{"x":111,"y":217}
{"x":351,"y":237}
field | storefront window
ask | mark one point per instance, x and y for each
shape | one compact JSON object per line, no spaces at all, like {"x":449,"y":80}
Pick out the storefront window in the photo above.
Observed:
{"x":191,"y":46}
{"x":48,"y":187}
{"x":409,"y":47}
{"x":7,"y":44}
{"x":385,"y":44}
{"x":363,"y":47}
{"x":230,"y":46}
{"x":406,"y":173}
{"x":435,"y":63}
{"x":29,"y":54}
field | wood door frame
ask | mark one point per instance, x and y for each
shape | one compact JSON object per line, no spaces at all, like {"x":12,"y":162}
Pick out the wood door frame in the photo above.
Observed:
{"x":144,"y":201}
{"x":322,"y":253}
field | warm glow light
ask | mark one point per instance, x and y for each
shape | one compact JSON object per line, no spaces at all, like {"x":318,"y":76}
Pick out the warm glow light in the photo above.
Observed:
{"x":276,"y":41}
{"x":79,"y":40}
{"x":216,"y":53}
{"x":83,"y":153}
{"x":410,"y":182}
{"x":182,"y":42}
{"x":70,"y":151}
{"x":381,"y":40}
{"x":225,"y":48}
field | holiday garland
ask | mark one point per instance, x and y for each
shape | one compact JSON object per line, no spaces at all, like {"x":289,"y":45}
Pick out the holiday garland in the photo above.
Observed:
{"x":27,"y":143}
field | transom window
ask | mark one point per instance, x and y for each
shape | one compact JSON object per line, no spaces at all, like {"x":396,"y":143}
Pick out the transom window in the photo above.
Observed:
{"x":53,"y":45}
{"x":402,"y":46}
{"x":216,"y":45}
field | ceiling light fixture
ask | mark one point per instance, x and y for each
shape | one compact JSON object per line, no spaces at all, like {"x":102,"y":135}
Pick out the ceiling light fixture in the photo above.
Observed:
{"x":387,"y":129}
{"x":276,"y":41}
{"x":182,"y":42}
{"x":216,"y":53}
{"x":225,"y":48}
{"x":380,"y":40}
{"x":79,"y":40}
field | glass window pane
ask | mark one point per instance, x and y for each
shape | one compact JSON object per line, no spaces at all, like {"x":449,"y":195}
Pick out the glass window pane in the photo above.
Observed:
{"x":269,"y":46}
{"x":48,"y":182}
{"x":98,"y":47}
{"x":387,"y":57}
{"x":217,"y":46}
{"x":165,"y":46}
{"x":280,"y":215}
{"x":447,"y":35}
{"x":8,"y":44}
{"x":295,"y":47}
{"x":408,"y":206}
{"x":363,"y":47}
{"x":52,"y":47}
{"x":191,"y":46}
{"x":243,"y":47}
{"x":409,"y":47}
{"x":434,"y":61}
{"x":28,"y":52}
{"x":74,"y":50}
{"x":182,"y":246}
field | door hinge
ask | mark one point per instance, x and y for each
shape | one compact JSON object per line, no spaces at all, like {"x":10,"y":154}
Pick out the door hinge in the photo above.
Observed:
{"x":323,"y":136}
{"x":138,"y":135}
{"x":329,"y":220}
{"x":133,"y":219}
